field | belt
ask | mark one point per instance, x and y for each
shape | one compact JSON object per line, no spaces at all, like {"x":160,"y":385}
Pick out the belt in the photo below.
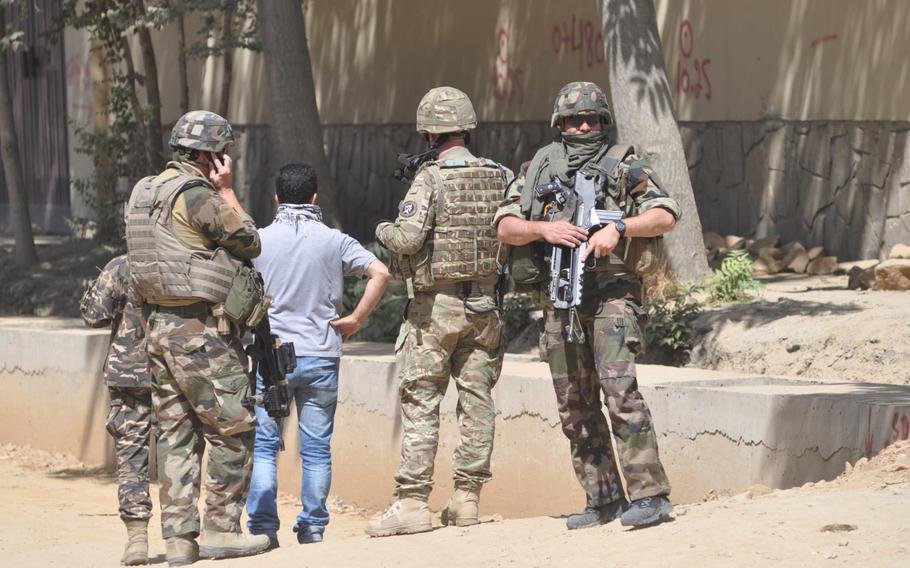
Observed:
{"x":190,"y":311}
{"x":465,"y":289}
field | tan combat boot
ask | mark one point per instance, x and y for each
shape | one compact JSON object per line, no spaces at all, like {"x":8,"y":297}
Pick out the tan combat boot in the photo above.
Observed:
{"x":405,"y":516}
{"x":231,"y":545}
{"x":462,"y":509}
{"x":181,"y":550}
{"x":137,"y":543}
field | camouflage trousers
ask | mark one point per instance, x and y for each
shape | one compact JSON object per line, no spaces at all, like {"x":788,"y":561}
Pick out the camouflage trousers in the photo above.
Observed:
{"x":130,"y":423}
{"x":443,"y":338}
{"x":619,"y":453}
{"x":199,"y":382}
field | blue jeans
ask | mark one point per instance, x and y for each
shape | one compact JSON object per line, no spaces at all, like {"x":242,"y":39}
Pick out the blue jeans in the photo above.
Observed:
{"x":314,"y":388}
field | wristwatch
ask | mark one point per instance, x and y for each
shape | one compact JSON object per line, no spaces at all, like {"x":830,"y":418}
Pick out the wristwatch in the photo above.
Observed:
{"x":620,"y":227}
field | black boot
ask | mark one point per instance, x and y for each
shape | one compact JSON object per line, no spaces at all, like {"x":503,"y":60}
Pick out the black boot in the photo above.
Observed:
{"x":595,"y":516}
{"x":647,"y":511}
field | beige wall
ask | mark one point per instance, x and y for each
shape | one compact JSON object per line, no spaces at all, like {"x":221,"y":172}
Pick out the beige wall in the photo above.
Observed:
{"x":795,"y":59}
{"x":725,"y":59}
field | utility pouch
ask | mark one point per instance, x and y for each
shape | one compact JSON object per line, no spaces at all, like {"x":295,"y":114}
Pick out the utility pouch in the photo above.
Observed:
{"x":245,"y":296}
{"x":528,"y":266}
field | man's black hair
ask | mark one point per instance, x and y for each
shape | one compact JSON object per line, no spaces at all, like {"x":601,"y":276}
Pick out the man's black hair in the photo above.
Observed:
{"x":295,"y":183}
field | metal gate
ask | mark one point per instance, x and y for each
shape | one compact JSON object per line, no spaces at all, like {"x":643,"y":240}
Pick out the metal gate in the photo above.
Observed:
{"x":37,"y":85}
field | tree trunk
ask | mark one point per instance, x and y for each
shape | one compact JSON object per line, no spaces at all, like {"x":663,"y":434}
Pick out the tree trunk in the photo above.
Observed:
{"x":152,"y":94}
{"x":227,"y":38}
{"x":295,"y":133}
{"x":24,"y":248}
{"x":107,"y":223}
{"x":644,"y":117}
{"x":181,"y":65}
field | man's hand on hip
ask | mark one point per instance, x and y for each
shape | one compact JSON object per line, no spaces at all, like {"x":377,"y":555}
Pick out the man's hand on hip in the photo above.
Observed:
{"x":348,"y":326}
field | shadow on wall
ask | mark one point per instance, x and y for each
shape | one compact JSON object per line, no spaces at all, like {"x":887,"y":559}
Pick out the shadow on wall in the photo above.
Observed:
{"x":838,"y":183}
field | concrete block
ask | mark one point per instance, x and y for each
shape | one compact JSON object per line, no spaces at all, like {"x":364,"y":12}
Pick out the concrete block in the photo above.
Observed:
{"x":893,"y":274}
{"x":797,"y":261}
{"x":899,"y":250}
{"x":815,"y":252}
{"x":822,"y":265}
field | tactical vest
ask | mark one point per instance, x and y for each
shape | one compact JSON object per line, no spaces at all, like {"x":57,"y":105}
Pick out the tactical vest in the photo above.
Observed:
{"x":462,"y":245}
{"x":616,"y":191}
{"x":162,"y":268}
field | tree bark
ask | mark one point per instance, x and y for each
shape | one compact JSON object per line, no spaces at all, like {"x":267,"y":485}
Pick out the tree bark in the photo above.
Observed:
{"x":295,"y":133}
{"x":181,"y":64}
{"x":644,"y":115}
{"x":24,"y":247}
{"x":227,"y":38}
{"x":152,"y":94}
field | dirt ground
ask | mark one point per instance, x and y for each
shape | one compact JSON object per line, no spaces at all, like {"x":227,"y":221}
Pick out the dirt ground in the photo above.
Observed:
{"x":810,"y":326}
{"x":54,"y":512}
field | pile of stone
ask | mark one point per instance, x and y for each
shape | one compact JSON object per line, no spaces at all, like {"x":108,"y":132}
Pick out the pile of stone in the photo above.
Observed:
{"x":770,"y":257}
{"x":891,"y":274}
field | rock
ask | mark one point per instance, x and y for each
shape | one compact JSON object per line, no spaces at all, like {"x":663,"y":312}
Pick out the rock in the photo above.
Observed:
{"x":893,"y":274}
{"x":770,"y":252}
{"x":766,"y":265}
{"x":838,"y":527}
{"x":822,"y":265}
{"x":796,"y":258}
{"x":787,"y":248}
{"x":760,"y":267}
{"x":768,"y":242}
{"x":845,"y":267}
{"x":815,"y":252}
{"x":735,"y":243}
{"x":714,"y":240}
{"x":861,"y":279}
{"x":899,"y":251}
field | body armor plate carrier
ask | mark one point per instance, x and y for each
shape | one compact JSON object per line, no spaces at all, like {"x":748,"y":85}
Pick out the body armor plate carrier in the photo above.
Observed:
{"x":162,"y":268}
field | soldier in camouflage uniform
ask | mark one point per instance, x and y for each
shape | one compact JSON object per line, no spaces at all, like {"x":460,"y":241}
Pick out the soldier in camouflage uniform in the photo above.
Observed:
{"x":445,"y":248}
{"x":616,"y":459}
{"x":107,"y":302}
{"x":187,"y":237}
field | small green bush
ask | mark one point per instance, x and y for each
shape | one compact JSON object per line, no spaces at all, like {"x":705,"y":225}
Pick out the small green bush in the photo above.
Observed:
{"x":732,"y":278}
{"x":516,"y":315}
{"x":670,"y":319}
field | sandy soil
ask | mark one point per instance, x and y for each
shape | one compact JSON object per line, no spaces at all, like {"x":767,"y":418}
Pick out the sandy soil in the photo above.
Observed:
{"x":810,"y":326}
{"x":54,"y":512}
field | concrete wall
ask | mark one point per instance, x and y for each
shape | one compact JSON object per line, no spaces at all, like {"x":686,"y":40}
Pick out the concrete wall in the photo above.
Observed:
{"x":717,"y":431}
{"x":842,"y":185}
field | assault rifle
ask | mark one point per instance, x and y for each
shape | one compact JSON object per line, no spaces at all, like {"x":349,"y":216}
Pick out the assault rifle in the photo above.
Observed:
{"x":566,"y":266}
{"x":410,"y":163}
{"x":273,"y":360}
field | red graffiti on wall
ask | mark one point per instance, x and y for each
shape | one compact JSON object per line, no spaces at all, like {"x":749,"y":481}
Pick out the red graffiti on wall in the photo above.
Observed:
{"x":508,"y":78}
{"x":823,"y":39}
{"x":80,"y":86}
{"x":691,"y":71}
{"x":900,"y":428}
{"x":581,"y":36}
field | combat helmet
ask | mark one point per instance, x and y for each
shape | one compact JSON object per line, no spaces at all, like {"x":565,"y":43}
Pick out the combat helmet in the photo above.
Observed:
{"x":445,"y":109}
{"x":581,"y":97}
{"x":202,"y":130}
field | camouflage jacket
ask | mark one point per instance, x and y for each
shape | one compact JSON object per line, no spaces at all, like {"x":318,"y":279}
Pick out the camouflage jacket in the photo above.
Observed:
{"x":108,"y":302}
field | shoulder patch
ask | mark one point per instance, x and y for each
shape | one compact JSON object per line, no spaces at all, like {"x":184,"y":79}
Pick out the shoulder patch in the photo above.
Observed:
{"x":407,"y":208}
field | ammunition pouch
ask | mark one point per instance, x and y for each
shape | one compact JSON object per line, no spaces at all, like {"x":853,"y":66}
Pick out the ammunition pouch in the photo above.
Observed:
{"x":246,"y":302}
{"x":528,"y":266}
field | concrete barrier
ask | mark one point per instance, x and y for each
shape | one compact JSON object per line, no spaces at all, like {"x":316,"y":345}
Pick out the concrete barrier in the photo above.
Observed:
{"x":718,"y":431}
